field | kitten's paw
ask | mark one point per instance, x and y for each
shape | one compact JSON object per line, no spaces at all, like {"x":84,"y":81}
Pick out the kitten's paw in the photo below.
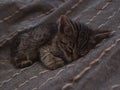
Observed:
{"x":56,"y":64}
{"x":23,"y":63}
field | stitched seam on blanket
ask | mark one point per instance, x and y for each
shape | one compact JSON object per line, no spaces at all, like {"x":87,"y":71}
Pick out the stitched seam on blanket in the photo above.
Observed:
{"x":84,"y":11}
{"x":73,"y":7}
{"x":34,"y":77}
{"x":13,"y":76}
{"x":99,"y":12}
{"x":110,"y":17}
{"x":31,"y":78}
{"x":113,"y":87}
{"x":22,"y":8}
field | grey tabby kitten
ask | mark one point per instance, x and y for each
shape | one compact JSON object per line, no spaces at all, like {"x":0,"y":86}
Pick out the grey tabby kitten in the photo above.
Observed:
{"x":55,"y":44}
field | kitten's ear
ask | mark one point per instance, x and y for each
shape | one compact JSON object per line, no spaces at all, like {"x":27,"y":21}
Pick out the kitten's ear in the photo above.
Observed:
{"x":65,"y":26}
{"x":100,"y":35}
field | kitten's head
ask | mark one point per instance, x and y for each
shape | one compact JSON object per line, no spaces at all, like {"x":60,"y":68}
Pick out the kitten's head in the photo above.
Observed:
{"x":75,"y":39}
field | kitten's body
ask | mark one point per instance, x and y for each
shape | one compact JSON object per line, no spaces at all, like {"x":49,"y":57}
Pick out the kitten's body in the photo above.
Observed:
{"x":55,"y":44}
{"x":25,"y":47}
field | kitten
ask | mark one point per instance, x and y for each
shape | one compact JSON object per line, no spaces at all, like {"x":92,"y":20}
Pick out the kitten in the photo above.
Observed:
{"x":55,"y":44}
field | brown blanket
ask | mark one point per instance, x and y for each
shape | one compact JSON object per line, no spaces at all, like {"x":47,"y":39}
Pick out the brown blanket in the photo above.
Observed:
{"x":98,"y":70}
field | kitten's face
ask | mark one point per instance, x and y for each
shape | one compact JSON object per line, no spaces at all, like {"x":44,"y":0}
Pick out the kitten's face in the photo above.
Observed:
{"x":75,"y":39}
{"x":70,"y":39}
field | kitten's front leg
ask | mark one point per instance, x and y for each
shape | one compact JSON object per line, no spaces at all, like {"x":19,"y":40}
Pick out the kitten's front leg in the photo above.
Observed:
{"x":52,"y":62}
{"x":49,"y":60}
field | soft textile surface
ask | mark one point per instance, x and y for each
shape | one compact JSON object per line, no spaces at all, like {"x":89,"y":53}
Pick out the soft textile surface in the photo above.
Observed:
{"x":98,"y":70}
